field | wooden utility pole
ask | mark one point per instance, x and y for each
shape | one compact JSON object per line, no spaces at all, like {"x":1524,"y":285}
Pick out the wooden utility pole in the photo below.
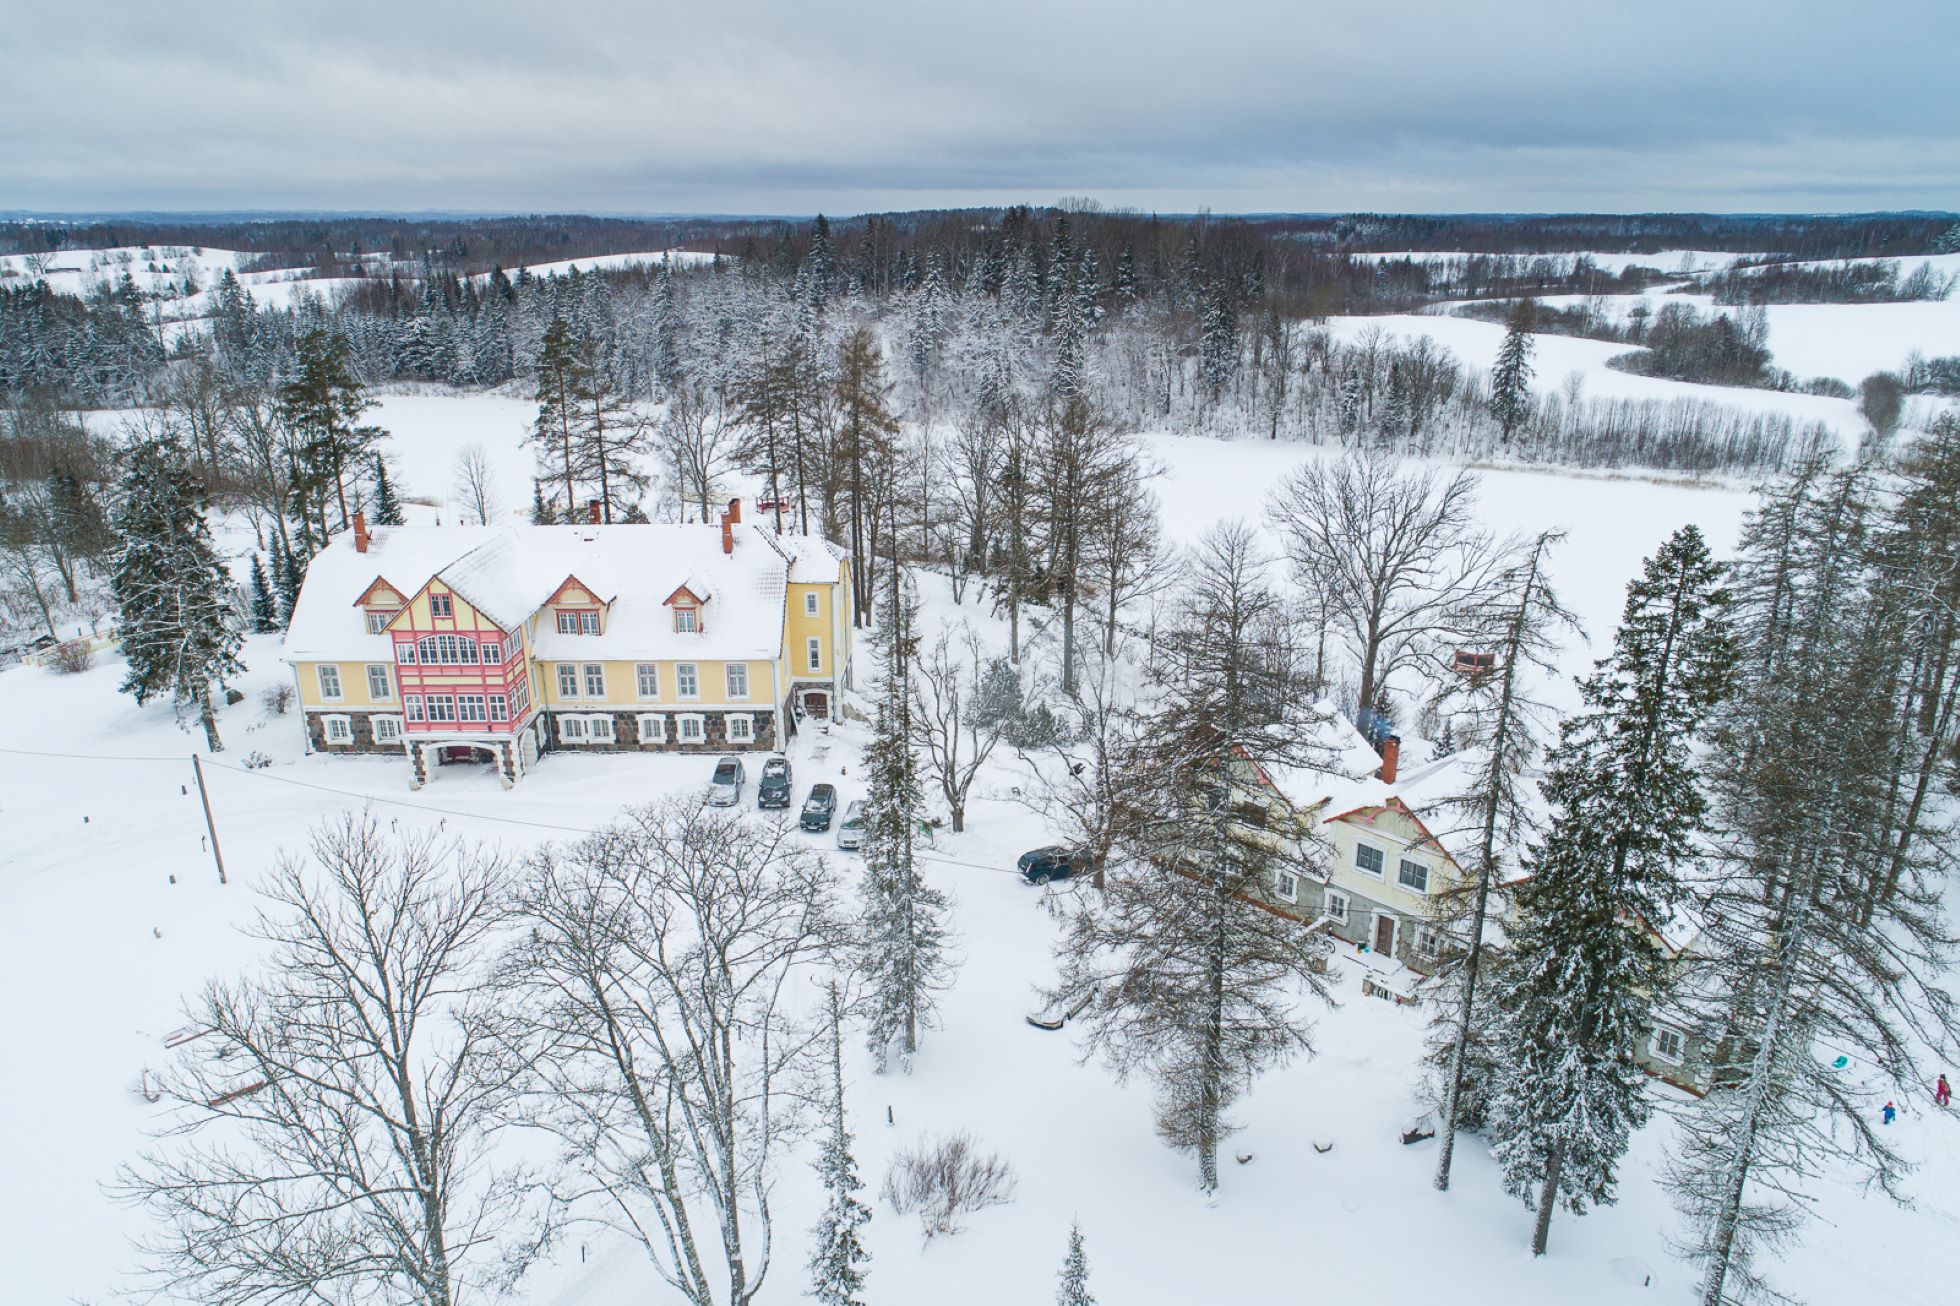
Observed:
{"x":204,"y":796}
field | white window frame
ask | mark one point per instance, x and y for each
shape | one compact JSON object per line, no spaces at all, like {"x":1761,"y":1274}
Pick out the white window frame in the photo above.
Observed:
{"x":743,"y":719}
{"x":394,"y":725}
{"x":813,"y":653}
{"x":1338,"y":907}
{"x":652,"y":727}
{"x":1402,"y":867}
{"x":338,"y":724}
{"x":732,"y":672}
{"x":684,"y":674}
{"x":646,"y":681}
{"x":568,"y":669}
{"x":568,"y":623}
{"x":499,"y":707}
{"x":571,"y":729}
{"x":412,"y":707}
{"x":685,"y":719}
{"x":599,"y":729}
{"x":1681,"y":1039}
{"x":810,"y":604}
{"x":492,"y":652}
{"x":380,"y":688}
{"x":687,"y":619}
{"x":328,"y":674}
{"x":405,"y":652}
{"x":377,"y":621}
{"x":1381,"y":873}
{"x":1430,"y":941}
{"x":448,"y":702}
{"x":465,"y":703}
{"x":591,"y":674}
{"x":1286,"y":885}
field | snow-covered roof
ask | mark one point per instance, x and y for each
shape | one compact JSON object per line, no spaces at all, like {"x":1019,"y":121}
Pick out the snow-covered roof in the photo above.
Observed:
{"x":509,"y":572}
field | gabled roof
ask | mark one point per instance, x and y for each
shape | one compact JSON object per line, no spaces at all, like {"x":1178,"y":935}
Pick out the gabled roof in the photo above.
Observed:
{"x":379,"y":583}
{"x":686,"y":590}
{"x":593,"y":590}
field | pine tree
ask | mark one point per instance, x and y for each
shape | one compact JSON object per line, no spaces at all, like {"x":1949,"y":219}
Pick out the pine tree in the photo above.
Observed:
{"x":1525,"y":621}
{"x":387,"y":508}
{"x":1822,"y":923}
{"x":322,"y":406}
{"x":265,"y":611}
{"x":288,"y":574}
{"x":866,"y":430}
{"x":1583,"y":970}
{"x":1075,"y":1272}
{"x":1510,"y":380}
{"x":838,"y":1256}
{"x":905,"y":960}
{"x":176,"y":623}
{"x":541,"y":514}
{"x":1218,"y":345}
{"x":1197,"y":988}
{"x":561,"y":378}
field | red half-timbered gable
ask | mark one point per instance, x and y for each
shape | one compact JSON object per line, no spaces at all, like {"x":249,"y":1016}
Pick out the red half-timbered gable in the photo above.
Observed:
{"x":458,"y":670}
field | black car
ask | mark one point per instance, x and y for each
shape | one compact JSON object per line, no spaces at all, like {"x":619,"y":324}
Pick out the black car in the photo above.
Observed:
{"x":820,"y":808}
{"x":1052,"y":863}
{"x":772,"y":790}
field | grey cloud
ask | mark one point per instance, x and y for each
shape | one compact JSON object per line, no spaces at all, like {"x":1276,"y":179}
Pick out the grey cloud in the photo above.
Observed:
{"x":778,"y":107}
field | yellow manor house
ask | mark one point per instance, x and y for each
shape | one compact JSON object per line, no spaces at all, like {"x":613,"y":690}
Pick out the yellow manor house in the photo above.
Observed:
{"x":501,"y":643}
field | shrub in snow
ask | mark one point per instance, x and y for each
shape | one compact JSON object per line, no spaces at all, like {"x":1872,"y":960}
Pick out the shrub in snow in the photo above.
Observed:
{"x":277,"y":700}
{"x":72,"y":657}
{"x":257,"y":761}
{"x":945,"y":1179}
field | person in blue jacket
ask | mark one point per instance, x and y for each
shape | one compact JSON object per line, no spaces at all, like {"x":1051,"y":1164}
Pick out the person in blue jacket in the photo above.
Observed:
{"x":1890,"y":1112}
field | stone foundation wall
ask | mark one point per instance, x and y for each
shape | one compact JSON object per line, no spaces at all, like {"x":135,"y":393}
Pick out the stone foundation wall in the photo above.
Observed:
{"x":363,"y":727}
{"x":626,"y":734}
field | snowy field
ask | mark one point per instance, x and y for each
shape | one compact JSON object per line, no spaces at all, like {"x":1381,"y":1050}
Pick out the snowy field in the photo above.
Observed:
{"x":1666,"y":260}
{"x":603,"y":262}
{"x":1557,"y":358}
{"x":102,"y":946}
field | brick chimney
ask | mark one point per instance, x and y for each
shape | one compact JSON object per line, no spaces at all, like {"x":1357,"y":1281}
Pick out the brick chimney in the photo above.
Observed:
{"x":592,"y":512}
{"x":1391,"y":756}
{"x":735,"y":511}
{"x":728,"y":520}
{"x":360,"y":532}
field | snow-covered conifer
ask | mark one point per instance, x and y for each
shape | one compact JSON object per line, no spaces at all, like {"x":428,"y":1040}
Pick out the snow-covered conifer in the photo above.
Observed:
{"x":903,"y":931}
{"x":265,"y":610}
{"x":1074,"y":1289}
{"x":178,"y":628}
{"x":837,"y":1254}
{"x":387,"y":508}
{"x":1510,"y":380}
{"x":1583,"y":969}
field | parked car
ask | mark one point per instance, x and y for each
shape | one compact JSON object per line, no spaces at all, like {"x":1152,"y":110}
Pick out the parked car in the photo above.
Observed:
{"x":772,"y":787}
{"x":850,"y":831}
{"x":820,"y":808}
{"x":725,"y":790}
{"x":1052,"y":863}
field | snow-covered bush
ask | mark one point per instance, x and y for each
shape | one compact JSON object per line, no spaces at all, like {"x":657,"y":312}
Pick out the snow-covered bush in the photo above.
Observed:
{"x":277,"y":700}
{"x":946,"y":1178}
{"x":72,"y":657}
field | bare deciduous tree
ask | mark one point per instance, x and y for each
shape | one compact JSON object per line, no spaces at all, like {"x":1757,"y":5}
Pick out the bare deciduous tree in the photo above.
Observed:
{"x":333,"y":1117}
{"x":697,"y":439}
{"x":653,"y":1003}
{"x":1396,"y":555}
{"x":475,"y":484}
{"x":956,"y":736}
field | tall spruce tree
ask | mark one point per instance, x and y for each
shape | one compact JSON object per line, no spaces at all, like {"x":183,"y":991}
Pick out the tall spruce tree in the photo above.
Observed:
{"x":175,"y":618}
{"x":1521,"y":624}
{"x":561,"y":378}
{"x":265,"y":609}
{"x":1818,"y":935}
{"x":1510,"y":380}
{"x":1583,"y":972}
{"x":1196,"y":988}
{"x":904,"y":961}
{"x":837,"y":1253}
{"x":1074,"y":1289}
{"x":322,"y":405}
{"x":387,"y":508}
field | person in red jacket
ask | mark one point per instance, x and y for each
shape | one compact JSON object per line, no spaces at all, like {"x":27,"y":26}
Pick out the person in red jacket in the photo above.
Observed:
{"x":1942,"y":1094}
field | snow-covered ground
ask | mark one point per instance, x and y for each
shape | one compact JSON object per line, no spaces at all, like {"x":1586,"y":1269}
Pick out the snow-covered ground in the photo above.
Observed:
{"x":102,"y":946}
{"x":1556,"y":358}
{"x":599,"y":262}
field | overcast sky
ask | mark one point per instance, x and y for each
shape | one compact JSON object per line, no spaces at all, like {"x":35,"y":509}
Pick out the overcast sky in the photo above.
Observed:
{"x":772,"y":107}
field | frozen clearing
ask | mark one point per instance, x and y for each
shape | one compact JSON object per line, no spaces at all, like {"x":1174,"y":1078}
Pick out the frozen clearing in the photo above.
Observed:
{"x":598,"y":262}
{"x":1558,"y":357}
{"x":101,"y":947}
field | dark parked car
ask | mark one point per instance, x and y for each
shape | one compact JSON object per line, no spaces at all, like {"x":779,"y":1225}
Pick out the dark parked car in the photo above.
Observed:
{"x":820,"y":808}
{"x":772,"y":790}
{"x":1052,"y":863}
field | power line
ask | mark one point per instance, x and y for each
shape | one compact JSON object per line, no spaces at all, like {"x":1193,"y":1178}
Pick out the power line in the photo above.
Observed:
{"x":92,"y":757}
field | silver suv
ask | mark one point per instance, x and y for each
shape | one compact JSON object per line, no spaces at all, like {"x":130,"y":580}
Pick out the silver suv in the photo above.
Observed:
{"x":725,"y":790}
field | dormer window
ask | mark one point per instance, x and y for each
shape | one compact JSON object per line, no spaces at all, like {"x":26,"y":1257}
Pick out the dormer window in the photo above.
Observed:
{"x":583,"y":621}
{"x":378,"y":619}
{"x":686,"y":620}
{"x":687,"y":602}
